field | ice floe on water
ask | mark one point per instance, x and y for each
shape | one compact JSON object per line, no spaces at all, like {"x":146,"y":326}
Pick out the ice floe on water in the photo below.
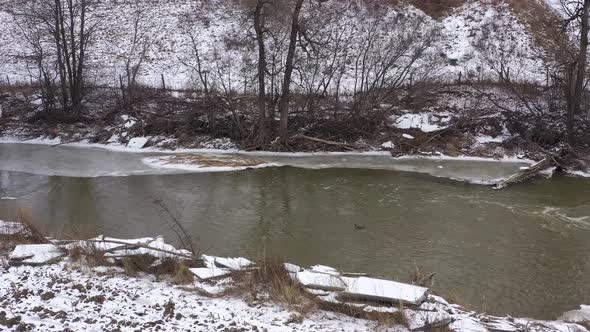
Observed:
{"x":206,"y":163}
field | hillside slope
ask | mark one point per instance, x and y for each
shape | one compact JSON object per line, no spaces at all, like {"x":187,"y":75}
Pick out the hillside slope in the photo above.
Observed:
{"x":470,"y":34}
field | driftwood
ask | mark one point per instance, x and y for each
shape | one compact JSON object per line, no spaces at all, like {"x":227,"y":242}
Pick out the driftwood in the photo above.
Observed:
{"x":126,"y":245}
{"x":527,"y":173}
{"x":323,"y":141}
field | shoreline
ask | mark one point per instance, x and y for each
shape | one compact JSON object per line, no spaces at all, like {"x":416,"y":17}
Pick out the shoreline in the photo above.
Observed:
{"x":63,"y":285}
{"x":123,"y":148}
{"x":116,"y":147}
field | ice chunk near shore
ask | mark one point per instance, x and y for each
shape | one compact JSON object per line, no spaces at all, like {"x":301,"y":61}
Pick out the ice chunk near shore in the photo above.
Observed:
{"x":137,"y":142}
{"x":325,"y":269}
{"x":210,"y":270}
{"x":206,"y":273}
{"x":577,"y":316}
{"x":406,"y":136}
{"x":384,"y":291}
{"x":321,"y":281}
{"x":34,"y":254}
{"x":292,"y":268}
{"x":235,"y":264}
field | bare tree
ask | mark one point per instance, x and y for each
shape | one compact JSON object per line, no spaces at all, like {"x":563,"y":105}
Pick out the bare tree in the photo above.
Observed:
{"x":142,"y":40}
{"x":387,"y":56}
{"x":259,"y":28}
{"x":67,"y":27}
{"x":578,"y":11}
{"x":284,"y":102}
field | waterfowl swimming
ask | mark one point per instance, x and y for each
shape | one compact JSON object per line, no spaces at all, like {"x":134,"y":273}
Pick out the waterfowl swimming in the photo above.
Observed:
{"x":359,"y":227}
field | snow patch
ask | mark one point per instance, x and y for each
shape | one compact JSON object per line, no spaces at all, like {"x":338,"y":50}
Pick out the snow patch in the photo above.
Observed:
{"x":388,"y":145}
{"x":426,"y":122}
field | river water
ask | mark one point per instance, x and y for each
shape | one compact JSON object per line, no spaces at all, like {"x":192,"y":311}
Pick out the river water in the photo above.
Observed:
{"x":521,"y":251}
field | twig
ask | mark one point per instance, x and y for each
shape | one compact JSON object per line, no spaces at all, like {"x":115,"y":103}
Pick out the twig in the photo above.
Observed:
{"x":181,"y":233}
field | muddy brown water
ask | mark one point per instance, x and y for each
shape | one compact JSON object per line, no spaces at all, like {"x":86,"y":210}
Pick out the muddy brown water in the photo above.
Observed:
{"x":521,"y":251}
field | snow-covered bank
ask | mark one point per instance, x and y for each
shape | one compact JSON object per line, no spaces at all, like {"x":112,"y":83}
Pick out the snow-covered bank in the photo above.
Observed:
{"x":65,"y":293}
{"x":61,"y":297}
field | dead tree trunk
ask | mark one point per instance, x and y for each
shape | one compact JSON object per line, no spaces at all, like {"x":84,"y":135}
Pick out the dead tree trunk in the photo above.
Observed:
{"x":527,"y":173}
{"x":577,"y":73}
{"x":285,"y":98}
{"x":259,"y":28}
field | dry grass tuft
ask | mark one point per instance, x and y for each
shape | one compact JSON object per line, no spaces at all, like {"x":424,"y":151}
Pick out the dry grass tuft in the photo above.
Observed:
{"x":89,"y":254}
{"x":25,"y":231}
{"x":212,"y":161}
{"x":397,"y":318}
{"x":295,"y":319}
{"x":271,"y":280}
{"x":76,"y":232}
{"x":182,"y":275}
{"x":136,"y":264}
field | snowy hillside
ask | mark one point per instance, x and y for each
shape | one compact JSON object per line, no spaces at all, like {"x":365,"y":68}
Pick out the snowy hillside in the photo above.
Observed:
{"x":466,"y":42}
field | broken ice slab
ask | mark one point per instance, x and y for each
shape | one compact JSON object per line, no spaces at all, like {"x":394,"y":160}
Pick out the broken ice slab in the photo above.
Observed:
{"x":292,"y":268}
{"x":370,"y":289}
{"x":322,"y":281}
{"x":324,"y":269}
{"x":577,"y":316}
{"x":206,"y":273}
{"x":235,"y":264}
{"x":137,"y":142}
{"x":34,"y":254}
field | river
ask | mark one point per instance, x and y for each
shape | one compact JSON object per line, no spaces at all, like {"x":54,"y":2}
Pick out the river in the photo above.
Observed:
{"x":521,"y":251}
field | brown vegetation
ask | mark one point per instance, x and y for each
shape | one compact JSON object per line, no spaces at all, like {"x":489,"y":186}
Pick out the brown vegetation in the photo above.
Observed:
{"x":212,"y":161}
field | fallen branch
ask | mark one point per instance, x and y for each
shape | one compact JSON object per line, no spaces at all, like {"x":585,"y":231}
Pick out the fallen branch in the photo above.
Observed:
{"x":126,"y":245}
{"x":323,"y":141}
{"x":527,"y":173}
